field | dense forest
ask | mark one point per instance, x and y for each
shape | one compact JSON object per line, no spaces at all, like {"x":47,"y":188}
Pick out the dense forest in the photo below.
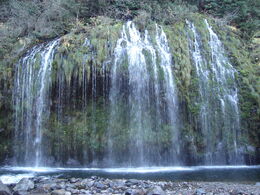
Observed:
{"x":26,"y":23}
{"x":47,"y":19}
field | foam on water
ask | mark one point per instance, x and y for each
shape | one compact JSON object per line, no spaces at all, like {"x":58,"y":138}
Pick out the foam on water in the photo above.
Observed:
{"x":126,"y":170}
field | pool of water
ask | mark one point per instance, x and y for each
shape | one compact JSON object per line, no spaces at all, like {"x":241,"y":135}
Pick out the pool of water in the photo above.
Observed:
{"x":196,"y":173}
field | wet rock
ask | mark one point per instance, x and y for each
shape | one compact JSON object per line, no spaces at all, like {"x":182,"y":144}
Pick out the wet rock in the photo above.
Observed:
{"x":135,"y":192}
{"x":90,"y":184}
{"x":83,"y":191}
{"x":74,"y":191}
{"x":69,"y":185}
{"x":3,"y":193}
{"x":69,"y":189}
{"x":60,"y":192}
{"x":46,"y":187}
{"x":24,"y":184}
{"x":85,"y":183}
{"x":74,"y":180}
{"x":61,"y":185}
{"x":20,"y":193}
{"x":4,"y":190}
{"x":200,"y":191}
{"x":41,"y":179}
{"x":132,"y":182}
{"x":117,"y":185}
{"x":100,"y":185}
{"x":157,"y":190}
{"x":38,"y":194}
{"x":94,"y":177}
{"x":233,"y":192}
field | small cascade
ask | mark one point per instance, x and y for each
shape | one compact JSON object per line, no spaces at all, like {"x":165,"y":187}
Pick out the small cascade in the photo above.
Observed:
{"x":32,"y":102}
{"x":136,"y":99}
{"x":219,"y":114}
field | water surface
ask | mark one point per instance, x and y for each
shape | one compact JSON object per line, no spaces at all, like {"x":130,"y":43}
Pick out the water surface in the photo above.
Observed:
{"x":195,"y":173}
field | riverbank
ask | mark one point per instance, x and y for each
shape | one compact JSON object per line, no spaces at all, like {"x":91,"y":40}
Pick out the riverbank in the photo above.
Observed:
{"x":57,"y":185}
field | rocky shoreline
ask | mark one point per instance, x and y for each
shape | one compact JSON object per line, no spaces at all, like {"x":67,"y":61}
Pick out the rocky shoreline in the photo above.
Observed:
{"x":100,"y":186}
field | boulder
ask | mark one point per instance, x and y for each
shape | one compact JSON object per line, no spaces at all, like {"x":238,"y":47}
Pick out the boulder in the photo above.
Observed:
{"x":24,"y":184}
{"x":157,"y":190}
{"x":4,"y":190}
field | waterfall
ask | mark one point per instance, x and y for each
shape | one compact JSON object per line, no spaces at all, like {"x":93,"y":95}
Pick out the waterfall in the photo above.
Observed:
{"x":219,"y":113}
{"x":136,"y":99}
{"x":31,"y":102}
{"x":76,"y":106}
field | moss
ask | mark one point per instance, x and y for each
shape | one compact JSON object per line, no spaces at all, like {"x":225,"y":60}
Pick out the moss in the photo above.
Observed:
{"x":180,"y":49}
{"x":73,"y":54}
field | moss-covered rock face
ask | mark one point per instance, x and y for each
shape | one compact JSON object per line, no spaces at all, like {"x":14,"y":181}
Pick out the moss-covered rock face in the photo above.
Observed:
{"x":248,"y":81}
{"x":77,"y":127}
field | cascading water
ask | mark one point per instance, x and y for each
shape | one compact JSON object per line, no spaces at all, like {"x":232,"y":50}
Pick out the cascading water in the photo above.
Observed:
{"x":144,"y":98}
{"x":120,"y":108}
{"x":219,"y":114}
{"x":31,"y":101}
{"x":170,"y":89}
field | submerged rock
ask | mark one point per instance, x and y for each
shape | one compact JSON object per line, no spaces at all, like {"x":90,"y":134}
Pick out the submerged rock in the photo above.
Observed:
{"x":24,"y":184}
{"x":4,"y":190}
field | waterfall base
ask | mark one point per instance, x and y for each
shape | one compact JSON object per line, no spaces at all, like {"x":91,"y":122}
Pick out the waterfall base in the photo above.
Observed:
{"x":192,"y":173}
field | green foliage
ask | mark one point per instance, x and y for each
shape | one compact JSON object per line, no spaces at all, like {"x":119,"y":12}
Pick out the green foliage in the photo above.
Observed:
{"x":25,"y":22}
{"x":243,"y":13}
{"x":165,"y":12}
